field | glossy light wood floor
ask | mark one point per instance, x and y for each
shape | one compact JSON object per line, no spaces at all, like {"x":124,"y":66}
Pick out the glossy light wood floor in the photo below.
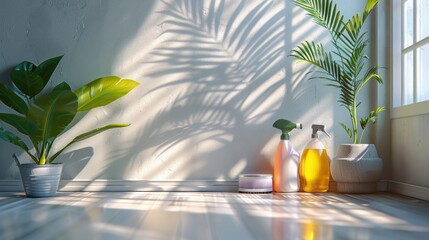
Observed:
{"x":194,"y":215}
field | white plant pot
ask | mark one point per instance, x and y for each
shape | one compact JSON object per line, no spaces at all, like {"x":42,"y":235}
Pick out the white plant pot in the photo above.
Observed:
{"x":40,"y":180}
{"x":356,"y":168}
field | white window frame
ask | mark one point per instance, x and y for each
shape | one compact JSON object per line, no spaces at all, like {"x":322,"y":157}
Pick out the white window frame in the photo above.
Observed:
{"x":398,"y":109}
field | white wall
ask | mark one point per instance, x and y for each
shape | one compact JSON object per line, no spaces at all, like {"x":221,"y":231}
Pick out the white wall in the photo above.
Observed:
{"x":409,"y":125}
{"x":410,"y":150}
{"x":381,"y":134}
{"x":214,"y":77}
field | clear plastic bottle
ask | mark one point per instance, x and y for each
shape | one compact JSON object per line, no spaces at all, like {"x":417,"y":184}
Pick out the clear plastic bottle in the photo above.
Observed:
{"x":314,"y":166}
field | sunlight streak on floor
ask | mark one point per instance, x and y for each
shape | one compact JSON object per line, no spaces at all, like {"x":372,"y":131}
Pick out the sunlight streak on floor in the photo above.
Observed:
{"x":218,"y":215}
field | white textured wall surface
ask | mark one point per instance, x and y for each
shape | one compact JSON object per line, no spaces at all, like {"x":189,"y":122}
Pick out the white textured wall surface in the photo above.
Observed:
{"x":214,"y":77}
{"x":410,"y":152}
{"x":381,"y":132}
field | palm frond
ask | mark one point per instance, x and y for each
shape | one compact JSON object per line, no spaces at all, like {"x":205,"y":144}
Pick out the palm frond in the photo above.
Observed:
{"x":356,"y":62}
{"x":349,"y":42}
{"x":324,"y":13}
{"x":347,"y":92}
{"x":373,"y":115}
{"x":369,"y":7}
{"x":370,"y":74}
{"x":316,"y":55}
{"x":347,"y":129}
{"x":372,"y":118}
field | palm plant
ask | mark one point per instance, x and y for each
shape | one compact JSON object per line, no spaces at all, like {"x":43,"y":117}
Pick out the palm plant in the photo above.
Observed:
{"x":42,"y":116}
{"x":346,"y":66}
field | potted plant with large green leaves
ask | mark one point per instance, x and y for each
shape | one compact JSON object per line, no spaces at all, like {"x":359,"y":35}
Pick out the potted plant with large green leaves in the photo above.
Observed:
{"x":356,"y":167}
{"x":43,"y":115}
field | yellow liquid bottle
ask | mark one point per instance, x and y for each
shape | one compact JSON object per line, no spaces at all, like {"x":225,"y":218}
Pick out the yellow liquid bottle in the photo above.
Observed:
{"x":314,"y":166}
{"x":314,"y":170}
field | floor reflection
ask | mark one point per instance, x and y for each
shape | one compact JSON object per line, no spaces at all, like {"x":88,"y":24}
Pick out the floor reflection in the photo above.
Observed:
{"x":182,"y":215}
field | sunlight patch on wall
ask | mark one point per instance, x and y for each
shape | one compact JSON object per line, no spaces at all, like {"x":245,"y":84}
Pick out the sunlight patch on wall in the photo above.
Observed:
{"x":237,"y":169}
{"x":213,"y":73}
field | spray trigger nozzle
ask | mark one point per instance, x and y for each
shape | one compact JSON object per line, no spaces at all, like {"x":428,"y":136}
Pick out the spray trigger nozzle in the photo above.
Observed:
{"x":286,"y":126}
{"x":318,"y":127}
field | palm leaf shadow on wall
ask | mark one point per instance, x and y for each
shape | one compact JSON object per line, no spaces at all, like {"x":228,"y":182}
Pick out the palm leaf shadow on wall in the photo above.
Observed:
{"x":225,"y":65}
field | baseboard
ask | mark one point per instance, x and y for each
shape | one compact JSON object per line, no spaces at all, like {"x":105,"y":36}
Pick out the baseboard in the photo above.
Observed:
{"x":139,"y":186}
{"x":192,"y":186}
{"x":382,"y":186}
{"x":132,"y":186}
{"x":409,"y":190}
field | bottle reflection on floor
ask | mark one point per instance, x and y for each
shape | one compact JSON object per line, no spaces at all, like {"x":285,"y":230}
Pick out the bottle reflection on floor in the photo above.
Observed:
{"x":309,"y":230}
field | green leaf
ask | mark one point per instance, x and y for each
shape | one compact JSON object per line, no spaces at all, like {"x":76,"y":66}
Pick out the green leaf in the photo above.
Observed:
{"x":26,"y":66}
{"x":62,"y":86}
{"x":47,"y":68}
{"x":86,"y":136}
{"x":348,"y":130}
{"x":29,"y":83}
{"x":15,"y":140}
{"x":53,"y":112}
{"x":12,"y":138}
{"x":97,"y":131}
{"x":364,"y":121}
{"x":31,"y":79}
{"x":324,"y":13}
{"x":103,"y":91}
{"x":379,"y":110}
{"x":12,"y":100}
{"x":21,"y":124}
{"x":373,"y":116}
{"x":369,"y":6}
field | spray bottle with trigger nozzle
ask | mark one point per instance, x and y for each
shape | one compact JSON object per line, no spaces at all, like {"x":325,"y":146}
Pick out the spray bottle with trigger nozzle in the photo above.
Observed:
{"x":314,"y":166}
{"x":286,"y":159}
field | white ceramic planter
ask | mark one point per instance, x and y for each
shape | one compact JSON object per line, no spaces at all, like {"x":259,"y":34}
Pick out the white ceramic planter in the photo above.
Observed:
{"x":356,"y":168}
{"x":40,"y":180}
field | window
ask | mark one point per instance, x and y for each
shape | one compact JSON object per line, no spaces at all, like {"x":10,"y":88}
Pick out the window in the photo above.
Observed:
{"x":410,"y":42}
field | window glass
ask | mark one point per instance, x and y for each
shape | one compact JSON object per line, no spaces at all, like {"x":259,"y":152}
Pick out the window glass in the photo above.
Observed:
{"x":408,"y":18}
{"x":408,"y":77}
{"x":423,"y":79}
{"x":410,"y":51}
{"x":423,"y":14}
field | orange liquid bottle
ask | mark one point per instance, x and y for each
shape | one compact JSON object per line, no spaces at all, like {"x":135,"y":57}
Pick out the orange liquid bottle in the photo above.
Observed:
{"x":286,"y":159}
